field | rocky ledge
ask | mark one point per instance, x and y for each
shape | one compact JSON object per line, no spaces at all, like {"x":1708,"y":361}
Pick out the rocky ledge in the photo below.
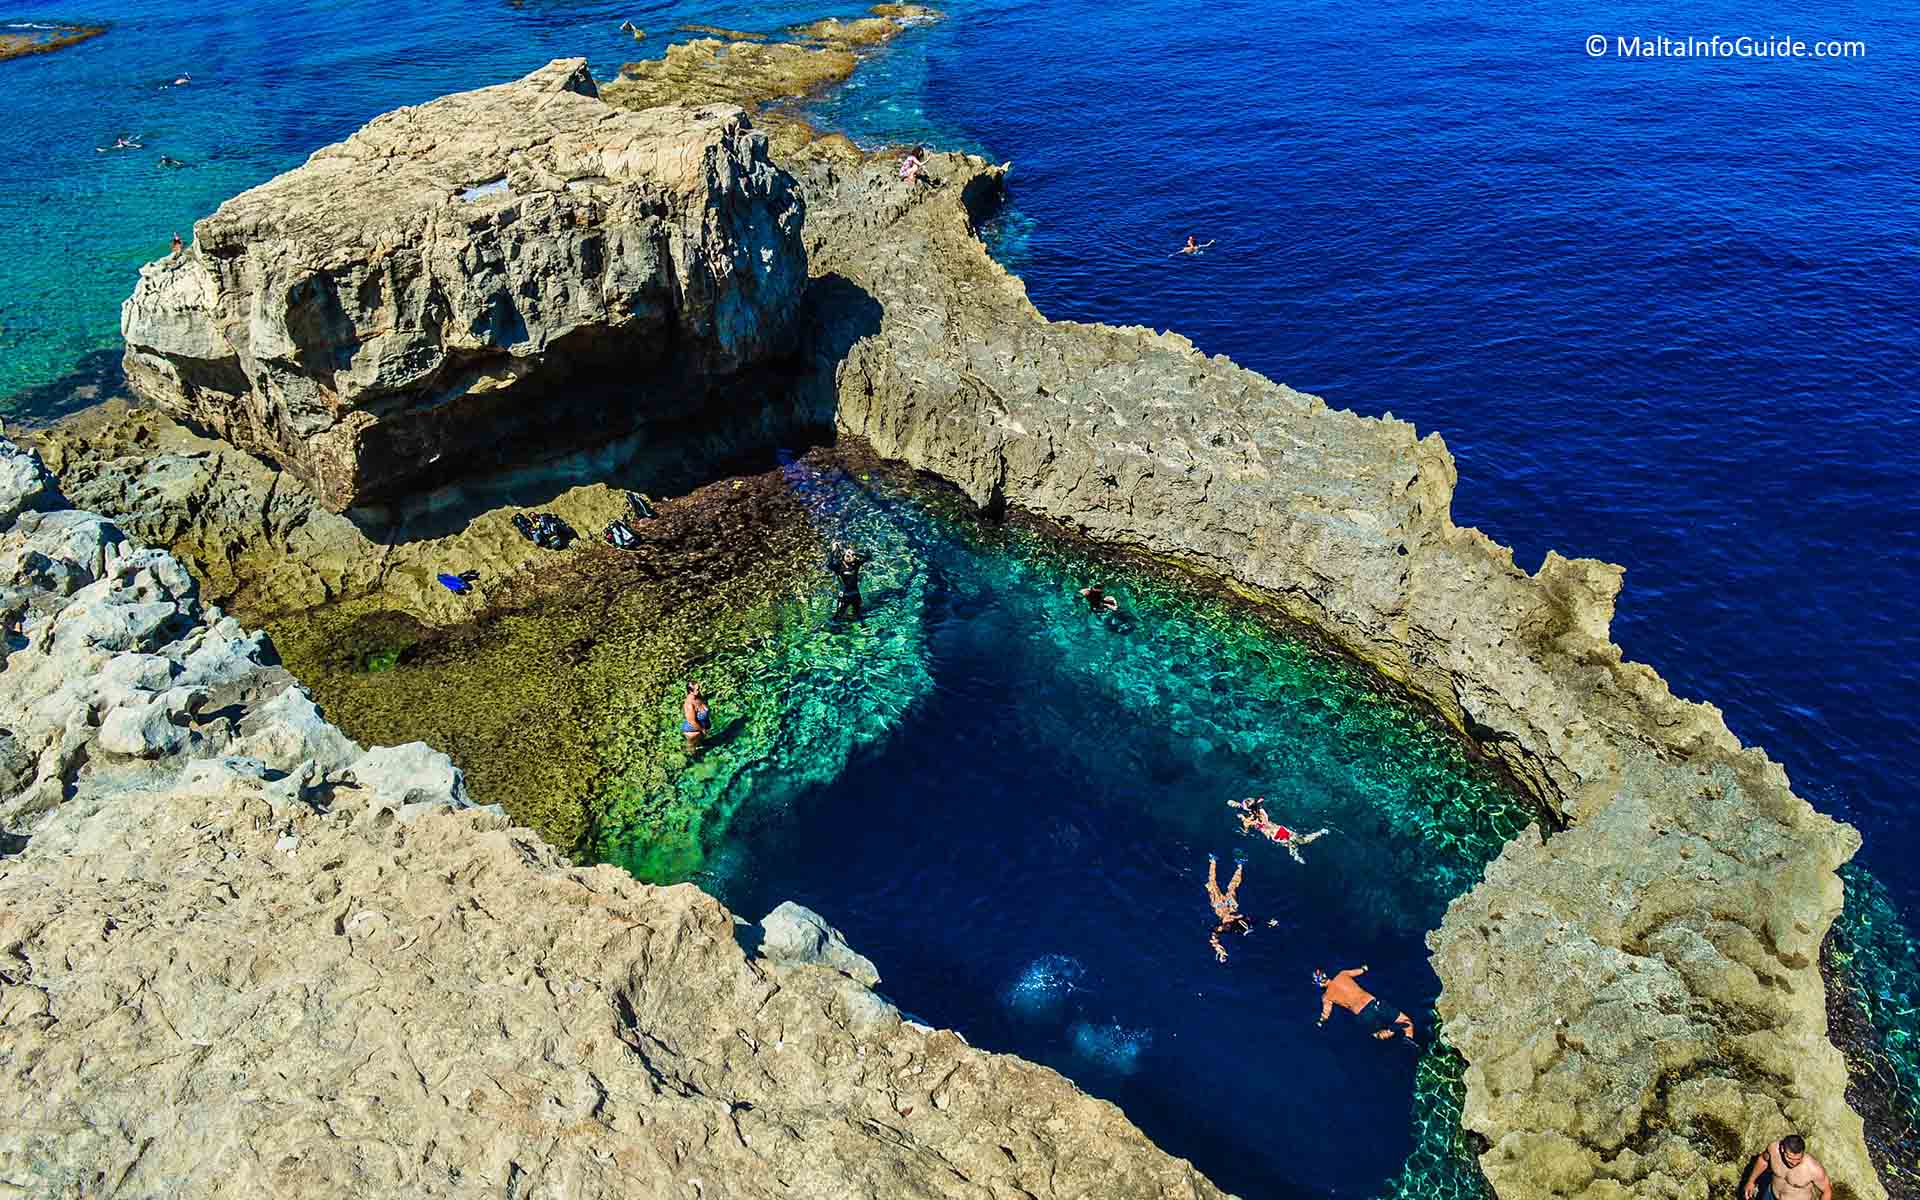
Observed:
{"x":1635,"y":985}
{"x":1639,"y":995}
{"x":240,"y":952}
{"x":474,"y":279}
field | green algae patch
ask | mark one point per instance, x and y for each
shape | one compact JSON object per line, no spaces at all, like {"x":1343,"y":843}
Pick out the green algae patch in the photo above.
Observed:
{"x":554,"y":689}
{"x":790,"y":706}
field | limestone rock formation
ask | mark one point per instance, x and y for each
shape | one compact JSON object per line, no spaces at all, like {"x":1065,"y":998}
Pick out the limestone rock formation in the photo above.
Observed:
{"x":1695,"y":1025}
{"x":463,"y":281}
{"x":238,"y":953}
{"x":795,"y":933}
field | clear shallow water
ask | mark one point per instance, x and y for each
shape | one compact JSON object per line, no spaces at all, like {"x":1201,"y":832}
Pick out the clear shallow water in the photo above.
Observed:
{"x":1009,"y":804}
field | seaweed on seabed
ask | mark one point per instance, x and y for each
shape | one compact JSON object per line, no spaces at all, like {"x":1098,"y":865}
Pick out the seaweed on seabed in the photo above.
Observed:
{"x":1871,"y":962}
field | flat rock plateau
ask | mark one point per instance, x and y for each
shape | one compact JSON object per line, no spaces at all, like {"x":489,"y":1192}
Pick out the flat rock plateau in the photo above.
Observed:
{"x":322,"y":975}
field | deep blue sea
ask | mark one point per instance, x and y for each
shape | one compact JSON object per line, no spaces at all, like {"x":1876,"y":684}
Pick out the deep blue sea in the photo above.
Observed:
{"x":1664,"y":312}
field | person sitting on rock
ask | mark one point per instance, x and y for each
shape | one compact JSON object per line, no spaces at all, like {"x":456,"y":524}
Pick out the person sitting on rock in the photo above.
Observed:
{"x":913,"y":167}
{"x":695,"y":717}
{"x":1226,"y":905}
{"x":844,"y":562}
{"x":1253,"y":816}
{"x":1342,"y":990}
{"x":1098,"y":600}
{"x":1792,"y":1173}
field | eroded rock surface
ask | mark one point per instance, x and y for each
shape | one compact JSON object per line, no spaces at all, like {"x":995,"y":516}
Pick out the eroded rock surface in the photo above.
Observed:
{"x":240,"y":953}
{"x":458,"y":283}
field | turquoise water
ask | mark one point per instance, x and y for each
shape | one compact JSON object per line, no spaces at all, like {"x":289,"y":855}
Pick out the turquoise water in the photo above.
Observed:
{"x":1008,"y":803}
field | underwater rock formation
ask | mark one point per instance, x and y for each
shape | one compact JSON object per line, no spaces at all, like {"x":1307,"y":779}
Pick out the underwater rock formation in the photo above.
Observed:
{"x":1689,"y":984}
{"x":460,"y":283}
{"x":238,"y":952}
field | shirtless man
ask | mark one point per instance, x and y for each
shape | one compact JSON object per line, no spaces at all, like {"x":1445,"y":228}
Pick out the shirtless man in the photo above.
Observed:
{"x":1342,"y":990}
{"x":1225,"y":905}
{"x":1794,"y":1174}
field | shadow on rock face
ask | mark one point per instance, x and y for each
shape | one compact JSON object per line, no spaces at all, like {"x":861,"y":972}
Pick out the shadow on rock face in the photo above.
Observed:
{"x":734,"y":430}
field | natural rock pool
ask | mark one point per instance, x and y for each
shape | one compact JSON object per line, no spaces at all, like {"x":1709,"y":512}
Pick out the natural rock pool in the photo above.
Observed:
{"x":1008,"y":803}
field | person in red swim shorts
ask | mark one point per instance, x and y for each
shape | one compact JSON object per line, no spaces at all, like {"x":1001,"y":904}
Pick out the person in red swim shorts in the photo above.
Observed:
{"x":1254,"y":818}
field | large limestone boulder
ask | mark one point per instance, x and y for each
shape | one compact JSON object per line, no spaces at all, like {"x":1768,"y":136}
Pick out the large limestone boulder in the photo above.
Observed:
{"x":464,"y":282}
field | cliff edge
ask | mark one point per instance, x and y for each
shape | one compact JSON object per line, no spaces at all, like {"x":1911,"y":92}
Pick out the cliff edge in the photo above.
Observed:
{"x":1638,"y":997}
{"x":459,"y":284}
{"x":239,"y":953}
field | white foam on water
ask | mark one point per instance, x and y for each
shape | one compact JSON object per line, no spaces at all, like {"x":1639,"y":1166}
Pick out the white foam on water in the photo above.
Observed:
{"x":1113,"y":1048}
{"x":1040,"y":992}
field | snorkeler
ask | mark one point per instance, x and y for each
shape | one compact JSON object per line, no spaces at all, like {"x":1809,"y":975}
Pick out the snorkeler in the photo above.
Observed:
{"x":844,"y":562}
{"x":695,"y":717}
{"x":1253,"y":816}
{"x":1342,"y":990}
{"x":170,"y":162}
{"x":1226,"y":905}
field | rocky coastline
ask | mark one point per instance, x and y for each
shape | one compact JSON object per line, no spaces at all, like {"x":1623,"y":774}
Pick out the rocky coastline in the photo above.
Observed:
{"x":241,"y":951}
{"x":1637,"y":993}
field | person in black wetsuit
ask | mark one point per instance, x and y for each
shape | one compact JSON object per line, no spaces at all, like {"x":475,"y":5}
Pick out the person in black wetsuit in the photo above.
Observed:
{"x":845,"y":563}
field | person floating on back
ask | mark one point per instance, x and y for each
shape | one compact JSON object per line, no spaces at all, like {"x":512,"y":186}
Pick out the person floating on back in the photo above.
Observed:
{"x":1253,"y":816}
{"x":1792,"y":1173}
{"x":1342,"y":990}
{"x":695,"y":717}
{"x":844,"y":562}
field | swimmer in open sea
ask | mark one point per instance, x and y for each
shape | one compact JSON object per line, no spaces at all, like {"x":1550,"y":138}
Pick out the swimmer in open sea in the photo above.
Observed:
{"x":1192,"y":246}
{"x":1253,"y":816}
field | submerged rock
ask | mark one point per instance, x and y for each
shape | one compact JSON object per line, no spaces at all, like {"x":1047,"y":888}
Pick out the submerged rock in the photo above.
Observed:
{"x":459,"y":282}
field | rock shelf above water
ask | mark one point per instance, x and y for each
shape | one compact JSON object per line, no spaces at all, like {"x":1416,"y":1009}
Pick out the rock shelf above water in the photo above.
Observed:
{"x":460,"y":283}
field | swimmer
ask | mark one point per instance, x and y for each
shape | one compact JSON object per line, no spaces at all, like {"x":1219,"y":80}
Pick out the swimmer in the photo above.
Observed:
{"x":182,"y":81}
{"x":123,"y":142}
{"x":168,"y":160}
{"x":844,"y":562}
{"x":1098,"y":600}
{"x":1342,"y":990}
{"x":1226,"y":905}
{"x":1254,"y":817}
{"x":695,"y":717}
{"x":1192,"y":246}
